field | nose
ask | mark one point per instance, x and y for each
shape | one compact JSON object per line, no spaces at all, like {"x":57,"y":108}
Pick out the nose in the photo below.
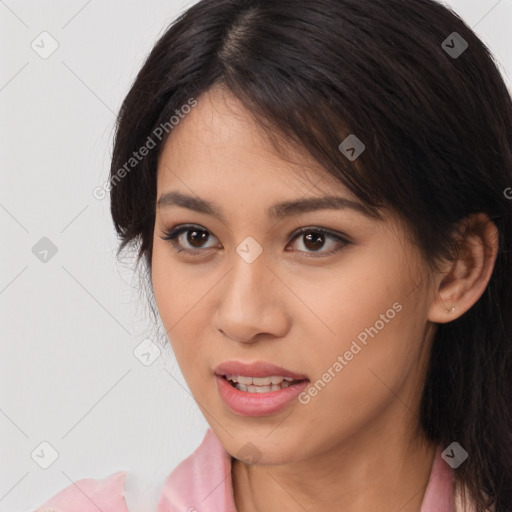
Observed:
{"x":252,"y":303}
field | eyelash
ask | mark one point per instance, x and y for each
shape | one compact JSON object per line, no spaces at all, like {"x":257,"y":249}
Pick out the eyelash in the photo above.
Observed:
{"x":175,"y":232}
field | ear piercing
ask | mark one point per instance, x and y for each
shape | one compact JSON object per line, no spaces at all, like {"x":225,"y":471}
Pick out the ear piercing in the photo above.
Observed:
{"x":451,"y":310}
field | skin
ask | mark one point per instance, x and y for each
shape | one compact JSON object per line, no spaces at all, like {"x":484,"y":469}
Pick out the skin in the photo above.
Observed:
{"x":356,"y":445}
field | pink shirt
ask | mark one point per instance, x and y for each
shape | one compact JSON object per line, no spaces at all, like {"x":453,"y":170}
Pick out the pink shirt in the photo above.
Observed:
{"x":202,"y":483}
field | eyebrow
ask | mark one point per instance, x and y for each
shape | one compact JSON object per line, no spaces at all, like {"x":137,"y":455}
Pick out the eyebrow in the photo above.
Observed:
{"x":277,"y":211}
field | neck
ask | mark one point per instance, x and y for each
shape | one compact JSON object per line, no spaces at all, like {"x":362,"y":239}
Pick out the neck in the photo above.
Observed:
{"x":370,"y":472}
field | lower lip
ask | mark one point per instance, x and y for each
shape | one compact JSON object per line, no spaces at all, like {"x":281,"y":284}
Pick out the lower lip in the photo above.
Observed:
{"x":258,"y":404}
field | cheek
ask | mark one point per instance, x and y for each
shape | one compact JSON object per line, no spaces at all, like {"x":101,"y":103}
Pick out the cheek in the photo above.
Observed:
{"x":374,"y":338}
{"x":383,"y":373}
{"x":177,"y":300}
{"x":353,"y":304}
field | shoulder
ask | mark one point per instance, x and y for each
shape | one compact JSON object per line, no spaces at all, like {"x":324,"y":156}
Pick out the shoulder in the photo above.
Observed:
{"x":89,"y":495}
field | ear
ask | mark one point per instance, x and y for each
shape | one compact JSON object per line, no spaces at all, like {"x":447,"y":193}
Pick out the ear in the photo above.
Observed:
{"x":462,"y":281}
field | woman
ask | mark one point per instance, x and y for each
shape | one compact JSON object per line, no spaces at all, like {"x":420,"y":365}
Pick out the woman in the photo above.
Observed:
{"x":320,"y":195}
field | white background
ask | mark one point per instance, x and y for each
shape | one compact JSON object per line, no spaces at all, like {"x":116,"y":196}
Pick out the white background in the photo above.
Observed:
{"x":69,"y":326}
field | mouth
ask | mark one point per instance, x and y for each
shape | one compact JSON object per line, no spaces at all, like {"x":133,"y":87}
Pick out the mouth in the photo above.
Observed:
{"x":258,"y":376}
{"x":258,"y":389}
{"x":260,"y":384}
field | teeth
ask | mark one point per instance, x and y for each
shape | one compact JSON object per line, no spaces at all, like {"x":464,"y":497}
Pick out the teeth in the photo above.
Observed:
{"x":262,"y":389}
{"x":258,"y":381}
{"x":259,"y":384}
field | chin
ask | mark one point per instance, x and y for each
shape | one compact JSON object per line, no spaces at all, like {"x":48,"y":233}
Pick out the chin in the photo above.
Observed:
{"x":256,"y":446}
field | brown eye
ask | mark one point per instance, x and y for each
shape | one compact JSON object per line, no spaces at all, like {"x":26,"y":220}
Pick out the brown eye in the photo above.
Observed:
{"x":196,"y":237}
{"x":186,"y":238}
{"x":314,"y":239}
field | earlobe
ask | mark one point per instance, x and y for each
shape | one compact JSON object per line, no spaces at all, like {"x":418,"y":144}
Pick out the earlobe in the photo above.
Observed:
{"x":463,"y":280}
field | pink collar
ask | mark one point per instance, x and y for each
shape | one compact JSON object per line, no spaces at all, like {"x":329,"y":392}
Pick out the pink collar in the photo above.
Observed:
{"x":439,"y":492}
{"x":202,"y":482}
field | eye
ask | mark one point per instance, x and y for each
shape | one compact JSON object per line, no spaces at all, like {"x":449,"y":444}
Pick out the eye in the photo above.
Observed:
{"x":314,"y":238}
{"x":195,"y":236}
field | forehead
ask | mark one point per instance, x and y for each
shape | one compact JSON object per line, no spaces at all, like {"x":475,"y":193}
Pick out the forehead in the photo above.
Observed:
{"x":220,"y":143}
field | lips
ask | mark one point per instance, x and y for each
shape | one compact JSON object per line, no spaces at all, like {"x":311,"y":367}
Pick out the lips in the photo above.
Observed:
{"x":256,"y":369}
{"x":251,"y":401}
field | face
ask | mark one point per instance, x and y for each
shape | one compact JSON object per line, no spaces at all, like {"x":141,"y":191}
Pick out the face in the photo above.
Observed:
{"x":342,"y":303}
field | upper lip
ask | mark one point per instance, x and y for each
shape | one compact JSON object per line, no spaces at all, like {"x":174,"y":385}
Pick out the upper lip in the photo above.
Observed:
{"x":256,"y":369}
